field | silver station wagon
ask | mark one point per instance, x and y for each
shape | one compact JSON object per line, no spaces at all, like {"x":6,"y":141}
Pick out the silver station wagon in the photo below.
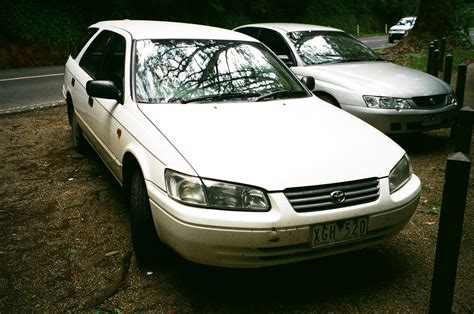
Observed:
{"x":349,"y":75}
{"x":225,"y":155}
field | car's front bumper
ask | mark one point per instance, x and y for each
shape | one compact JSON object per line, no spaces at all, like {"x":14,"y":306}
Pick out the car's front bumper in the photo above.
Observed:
{"x":396,"y":35}
{"x":406,"y":120}
{"x":245,"y":239}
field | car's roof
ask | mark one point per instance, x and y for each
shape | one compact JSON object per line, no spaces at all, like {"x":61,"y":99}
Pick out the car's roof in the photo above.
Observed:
{"x":171,"y":30}
{"x":292,"y":27}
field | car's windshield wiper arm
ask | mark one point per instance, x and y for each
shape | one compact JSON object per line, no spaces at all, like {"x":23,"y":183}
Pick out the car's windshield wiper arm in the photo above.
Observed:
{"x":281,"y":93}
{"x":218,"y":97}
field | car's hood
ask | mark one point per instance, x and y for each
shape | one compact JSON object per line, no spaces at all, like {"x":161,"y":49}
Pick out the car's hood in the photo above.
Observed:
{"x":377,"y":78}
{"x":275,"y":144}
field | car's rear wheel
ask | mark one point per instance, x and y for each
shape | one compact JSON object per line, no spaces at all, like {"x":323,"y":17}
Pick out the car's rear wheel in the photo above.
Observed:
{"x":148,"y":247}
{"x":78,"y":141}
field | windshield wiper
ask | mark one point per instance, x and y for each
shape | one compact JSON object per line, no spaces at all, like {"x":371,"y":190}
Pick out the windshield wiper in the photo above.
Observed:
{"x":281,"y":93}
{"x":354,"y":60}
{"x":217,"y":97}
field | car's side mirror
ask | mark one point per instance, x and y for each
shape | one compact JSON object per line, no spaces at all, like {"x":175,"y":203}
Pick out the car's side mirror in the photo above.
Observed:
{"x":104,"y":89}
{"x":286,"y":60}
{"x":309,"y":82}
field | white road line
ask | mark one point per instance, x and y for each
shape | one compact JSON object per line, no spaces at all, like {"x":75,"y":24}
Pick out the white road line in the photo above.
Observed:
{"x":29,"y":77}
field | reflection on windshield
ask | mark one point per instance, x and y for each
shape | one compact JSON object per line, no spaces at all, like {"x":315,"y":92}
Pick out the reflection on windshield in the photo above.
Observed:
{"x":406,"y":21}
{"x":206,"y":70}
{"x":330,"y":47}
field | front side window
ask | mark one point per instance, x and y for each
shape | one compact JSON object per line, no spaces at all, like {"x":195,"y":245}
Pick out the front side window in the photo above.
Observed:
{"x":330,"y":47}
{"x":91,"y":61}
{"x":114,"y":65}
{"x":183,"y":71}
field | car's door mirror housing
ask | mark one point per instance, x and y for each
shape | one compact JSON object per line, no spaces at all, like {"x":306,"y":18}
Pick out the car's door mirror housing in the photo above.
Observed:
{"x":104,"y":89}
{"x":309,"y":82}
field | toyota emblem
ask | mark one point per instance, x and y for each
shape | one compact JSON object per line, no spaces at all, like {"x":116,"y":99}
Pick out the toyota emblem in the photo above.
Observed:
{"x":337,"y":197}
{"x":432,"y":101}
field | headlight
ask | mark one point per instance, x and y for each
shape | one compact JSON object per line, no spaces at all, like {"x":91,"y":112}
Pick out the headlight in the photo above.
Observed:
{"x":214,"y":194}
{"x":386,"y":102}
{"x":185,"y":188}
{"x":451,"y":100}
{"x":400,"y":174}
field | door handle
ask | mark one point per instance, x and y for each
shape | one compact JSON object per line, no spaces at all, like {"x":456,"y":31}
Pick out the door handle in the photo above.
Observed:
{"x":91,"y":101}
{"x":73,"y":81}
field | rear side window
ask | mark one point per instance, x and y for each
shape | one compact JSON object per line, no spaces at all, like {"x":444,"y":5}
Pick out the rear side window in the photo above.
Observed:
{"x":85,"y":38}
{"x":91,"y":61}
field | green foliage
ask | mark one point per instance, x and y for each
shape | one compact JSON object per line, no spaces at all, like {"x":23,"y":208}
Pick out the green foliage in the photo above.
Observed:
{"x":59,"y":24}
{"x":418,"y":60}
{"x":40,"y":26}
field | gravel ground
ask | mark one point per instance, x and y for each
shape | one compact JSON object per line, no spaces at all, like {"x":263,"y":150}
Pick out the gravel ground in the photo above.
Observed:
{"x":65,"y":246}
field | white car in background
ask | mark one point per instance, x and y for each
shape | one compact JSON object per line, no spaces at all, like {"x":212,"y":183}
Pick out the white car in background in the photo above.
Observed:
{"x":226,"y":156}
{"x":349,"y":75}
{"x":400,"y":29}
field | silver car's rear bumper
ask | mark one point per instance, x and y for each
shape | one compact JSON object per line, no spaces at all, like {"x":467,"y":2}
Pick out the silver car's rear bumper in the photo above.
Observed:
{"x":405,"y":121}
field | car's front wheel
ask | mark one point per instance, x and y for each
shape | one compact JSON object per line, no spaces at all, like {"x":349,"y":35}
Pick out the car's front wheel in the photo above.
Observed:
{"x":149,"y":249}
{"x":390,"y":39}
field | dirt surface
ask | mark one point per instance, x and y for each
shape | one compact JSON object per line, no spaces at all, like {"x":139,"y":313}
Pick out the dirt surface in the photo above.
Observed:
{"x":65,"y":245}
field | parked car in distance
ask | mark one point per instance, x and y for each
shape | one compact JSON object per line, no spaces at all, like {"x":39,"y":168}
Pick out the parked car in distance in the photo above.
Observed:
{"x":349,"y":75}
{"x":225,"y":155}
{"x":400,"y":29}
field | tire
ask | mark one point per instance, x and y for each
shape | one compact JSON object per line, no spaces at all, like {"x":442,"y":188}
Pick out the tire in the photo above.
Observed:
{"x":78,"y":141}
{"x":390,"y":39}
{"x":70,"y":109}
{"x":329,"y":99}
{"x":149,"y":250}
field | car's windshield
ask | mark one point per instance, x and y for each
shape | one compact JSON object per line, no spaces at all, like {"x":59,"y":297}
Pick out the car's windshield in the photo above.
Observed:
{"x":316,"y":47}
{"x":406,"y":21}
{"x":185,"y":71}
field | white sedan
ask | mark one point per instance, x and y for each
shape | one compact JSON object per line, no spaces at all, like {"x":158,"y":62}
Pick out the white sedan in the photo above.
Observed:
{"x":349,"y":75}
{"x":226,"y":156}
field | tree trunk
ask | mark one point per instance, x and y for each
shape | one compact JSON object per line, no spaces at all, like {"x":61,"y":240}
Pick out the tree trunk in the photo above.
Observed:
{"x":434,"y":19}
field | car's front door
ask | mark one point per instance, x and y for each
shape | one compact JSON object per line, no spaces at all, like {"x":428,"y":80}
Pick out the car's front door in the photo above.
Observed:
{"x":89,"y":68}
{"x":103,"y":60}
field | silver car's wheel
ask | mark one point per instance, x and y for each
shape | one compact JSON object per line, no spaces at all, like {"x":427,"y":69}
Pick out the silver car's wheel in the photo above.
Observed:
{"x":78,"y":141}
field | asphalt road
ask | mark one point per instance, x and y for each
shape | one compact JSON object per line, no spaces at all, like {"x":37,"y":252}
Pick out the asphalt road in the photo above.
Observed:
{"x":375,"y":42}
{"x":22,"y":89}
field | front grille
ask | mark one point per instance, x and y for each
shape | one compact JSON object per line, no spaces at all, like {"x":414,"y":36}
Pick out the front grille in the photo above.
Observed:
{"x":316,"y":198}
{"x":433,"y":101}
